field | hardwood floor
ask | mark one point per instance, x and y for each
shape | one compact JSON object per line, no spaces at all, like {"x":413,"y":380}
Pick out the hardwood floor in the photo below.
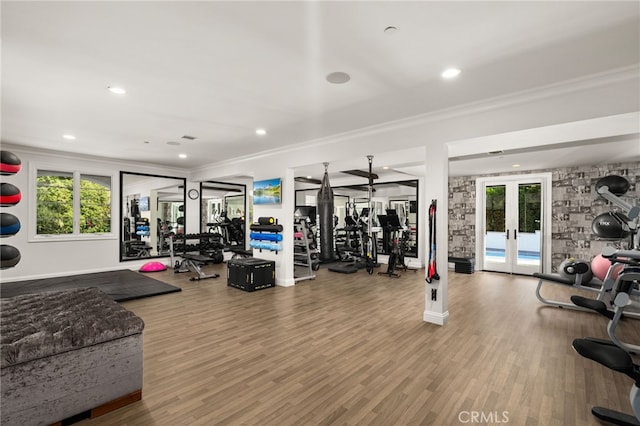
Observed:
{"x":353,"y":349}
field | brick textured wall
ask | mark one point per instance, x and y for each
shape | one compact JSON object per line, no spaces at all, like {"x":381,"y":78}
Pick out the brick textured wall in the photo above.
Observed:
{"x":575,"y":204}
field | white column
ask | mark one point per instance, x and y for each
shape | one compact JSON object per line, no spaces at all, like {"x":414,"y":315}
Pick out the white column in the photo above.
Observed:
{"x":436,"y":187}
{"x":284,"y":214}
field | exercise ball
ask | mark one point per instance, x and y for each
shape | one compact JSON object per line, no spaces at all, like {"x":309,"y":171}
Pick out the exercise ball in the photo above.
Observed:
{"x":9,"y":256}
{"x":617,"y":184}
{"x":10,"y":164}
{"x":611,"y":226}
{"x":600,"y":266}
{"x":9,"y":225}
{"x":153,"y":267}
{"x":9,"y":195}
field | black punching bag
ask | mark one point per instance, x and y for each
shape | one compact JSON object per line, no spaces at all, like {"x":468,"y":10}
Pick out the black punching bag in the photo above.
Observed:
{"x":325,"y":212}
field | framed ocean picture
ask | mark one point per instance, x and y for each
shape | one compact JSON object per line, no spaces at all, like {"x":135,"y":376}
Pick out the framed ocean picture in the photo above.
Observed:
{"x":267,"y":191}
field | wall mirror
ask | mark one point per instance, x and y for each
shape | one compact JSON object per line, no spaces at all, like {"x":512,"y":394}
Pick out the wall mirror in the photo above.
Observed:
{"x":223,"y":208}
{"x":152,"y":208}
{"x":399,"y":198}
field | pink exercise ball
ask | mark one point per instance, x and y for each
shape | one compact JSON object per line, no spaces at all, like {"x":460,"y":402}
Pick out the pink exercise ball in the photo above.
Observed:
{"x":600,"y":266}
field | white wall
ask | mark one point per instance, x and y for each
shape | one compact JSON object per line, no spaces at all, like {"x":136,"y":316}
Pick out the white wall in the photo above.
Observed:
{"x":42,"y":258}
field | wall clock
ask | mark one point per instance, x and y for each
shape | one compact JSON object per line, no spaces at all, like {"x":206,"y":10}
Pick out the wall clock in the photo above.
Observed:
{"x":193,"y":194}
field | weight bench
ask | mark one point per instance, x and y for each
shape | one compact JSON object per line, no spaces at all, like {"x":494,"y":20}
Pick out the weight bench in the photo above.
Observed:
{"x":240,"y":253}
{"x":192,"y":262}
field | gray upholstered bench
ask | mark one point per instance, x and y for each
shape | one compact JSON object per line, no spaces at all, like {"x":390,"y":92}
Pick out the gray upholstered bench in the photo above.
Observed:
{"x":67,"y":353}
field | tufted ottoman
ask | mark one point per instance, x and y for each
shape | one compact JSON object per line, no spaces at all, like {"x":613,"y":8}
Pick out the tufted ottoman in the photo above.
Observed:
{"x":67,"y":353}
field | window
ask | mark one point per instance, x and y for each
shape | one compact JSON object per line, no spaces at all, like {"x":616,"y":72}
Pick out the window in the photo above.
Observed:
{"x":72,"y":203}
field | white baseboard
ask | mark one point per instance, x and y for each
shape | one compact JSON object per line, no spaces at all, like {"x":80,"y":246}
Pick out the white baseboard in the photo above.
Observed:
{"x":436,"y":317}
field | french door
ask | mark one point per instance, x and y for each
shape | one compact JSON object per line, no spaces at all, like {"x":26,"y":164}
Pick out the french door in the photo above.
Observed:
{"x":512,"y":211}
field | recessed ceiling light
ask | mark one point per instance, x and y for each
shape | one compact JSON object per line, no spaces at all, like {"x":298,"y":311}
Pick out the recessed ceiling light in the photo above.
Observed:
{"x":174,"y":143}
{"x":182,"y":155}
{"x":515,"y":165}
{"x":69,"y":137}
{"x":117,"y":90}
{"x":309,"y":177}
{"x":338,"y":77}
{"x":261,"y":132}
{"x":386,"y":167}
{"x":450,"y":73}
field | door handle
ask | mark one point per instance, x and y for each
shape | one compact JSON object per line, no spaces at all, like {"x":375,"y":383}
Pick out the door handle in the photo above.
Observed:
{"x":515,"y":234}
{"x":507,"y":234}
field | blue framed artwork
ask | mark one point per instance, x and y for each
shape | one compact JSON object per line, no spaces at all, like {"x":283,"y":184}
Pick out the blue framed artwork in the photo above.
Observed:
{"x":267,"y":191}
{"x":144,"y":204}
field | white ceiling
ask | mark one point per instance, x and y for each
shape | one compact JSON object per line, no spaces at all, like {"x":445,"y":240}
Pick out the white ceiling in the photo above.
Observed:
{"x":219,"y":70}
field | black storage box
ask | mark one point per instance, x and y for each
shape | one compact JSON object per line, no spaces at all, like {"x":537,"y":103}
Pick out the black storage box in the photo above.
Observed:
{"x":250,"y":274}
{"x":463,"y":265}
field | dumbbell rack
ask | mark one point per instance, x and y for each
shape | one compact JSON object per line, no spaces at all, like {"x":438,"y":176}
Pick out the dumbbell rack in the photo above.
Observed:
{"x":305,"y":250}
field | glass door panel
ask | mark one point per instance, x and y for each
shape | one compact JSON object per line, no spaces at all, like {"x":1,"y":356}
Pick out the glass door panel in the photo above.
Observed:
{"x":528,"y":239}
{"x":495,"y":235}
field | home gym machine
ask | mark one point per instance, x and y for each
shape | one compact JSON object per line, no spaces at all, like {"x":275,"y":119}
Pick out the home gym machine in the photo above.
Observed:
{"x":611,"y":226}
{"x":615,"y":354}
{"x":369,"y":257}
{"x":396,"y":241}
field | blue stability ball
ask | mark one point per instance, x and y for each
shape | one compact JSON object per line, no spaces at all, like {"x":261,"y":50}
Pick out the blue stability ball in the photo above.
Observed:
{"x":9,"y":256}
{"x":9,"y":225}
{"x":10,"y":164}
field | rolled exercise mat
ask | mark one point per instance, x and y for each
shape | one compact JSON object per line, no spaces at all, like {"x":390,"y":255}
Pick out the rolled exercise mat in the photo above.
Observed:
{"x":265,"y":245}
{"x":266,"y":228}
{"x":265,"y":237}
{"x":266,"y":221}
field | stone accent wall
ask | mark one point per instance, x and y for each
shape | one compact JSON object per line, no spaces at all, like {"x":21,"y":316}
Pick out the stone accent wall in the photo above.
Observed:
{"x":574,"y":207}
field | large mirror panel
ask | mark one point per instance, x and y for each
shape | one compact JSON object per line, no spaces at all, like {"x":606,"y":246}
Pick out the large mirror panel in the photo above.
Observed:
{"x":152,"y":208}
{"x":394,"y":205}
{"x":222,"y":211}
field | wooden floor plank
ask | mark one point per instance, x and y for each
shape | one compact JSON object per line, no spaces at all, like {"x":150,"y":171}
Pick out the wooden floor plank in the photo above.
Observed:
{"x":353,"y":349}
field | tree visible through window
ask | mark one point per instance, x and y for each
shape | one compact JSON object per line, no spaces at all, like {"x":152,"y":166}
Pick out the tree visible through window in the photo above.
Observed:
{"x":58,"y":213}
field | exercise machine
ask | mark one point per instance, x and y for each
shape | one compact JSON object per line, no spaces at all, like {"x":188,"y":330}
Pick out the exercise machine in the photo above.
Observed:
{"x":621,"y":288}
{"x":573,"y":273}
{"x":616,"y":354}
{"x":397,"y":241}
{"x":610,"y":226}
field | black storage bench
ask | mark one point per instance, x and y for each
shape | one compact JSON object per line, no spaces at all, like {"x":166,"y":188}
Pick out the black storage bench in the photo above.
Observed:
{"x":250,"y":274}
{"x":463,"y":265}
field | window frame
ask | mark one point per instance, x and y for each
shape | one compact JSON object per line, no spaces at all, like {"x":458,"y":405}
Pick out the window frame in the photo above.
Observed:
{"x":76,"y":235}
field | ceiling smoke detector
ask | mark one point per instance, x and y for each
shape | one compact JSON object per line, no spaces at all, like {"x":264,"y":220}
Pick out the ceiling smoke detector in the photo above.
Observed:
{"x":338,"y":77}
